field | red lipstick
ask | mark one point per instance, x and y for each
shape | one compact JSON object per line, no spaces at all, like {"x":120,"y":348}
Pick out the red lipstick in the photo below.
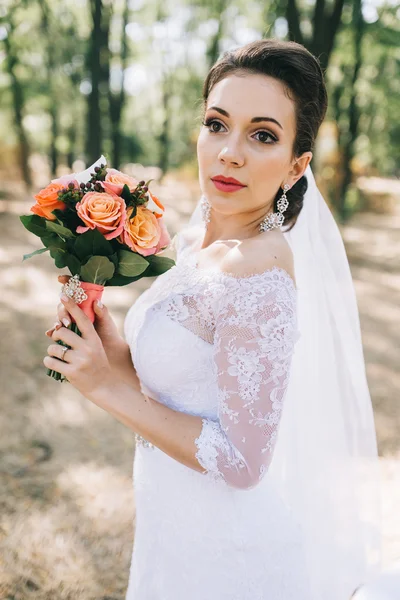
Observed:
{"x":227,"y":184}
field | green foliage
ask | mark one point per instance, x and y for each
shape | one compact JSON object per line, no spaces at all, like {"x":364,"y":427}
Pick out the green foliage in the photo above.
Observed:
{"x":92,"y":243}
{"x":60,"y":230}
{"x":131,"y":265}
{"x":98,"y":269}
{"x":40,"y":251}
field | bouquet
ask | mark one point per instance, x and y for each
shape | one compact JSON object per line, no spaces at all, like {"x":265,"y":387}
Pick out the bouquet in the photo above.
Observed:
{"x":105,"y":227}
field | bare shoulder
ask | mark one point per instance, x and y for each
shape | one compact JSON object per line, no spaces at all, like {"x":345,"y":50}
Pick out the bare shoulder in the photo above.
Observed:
{"x":259,"y":254}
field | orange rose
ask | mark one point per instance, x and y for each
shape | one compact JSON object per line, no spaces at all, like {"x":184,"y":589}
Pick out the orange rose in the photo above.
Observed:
{"x":106,"y":212}
{"x":144,"y":234}
{"x":47,"y":201}
{"x":115,"y":181}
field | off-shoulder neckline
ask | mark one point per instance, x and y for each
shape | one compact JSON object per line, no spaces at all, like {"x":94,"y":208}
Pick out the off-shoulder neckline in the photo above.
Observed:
{"x":192,"y":262}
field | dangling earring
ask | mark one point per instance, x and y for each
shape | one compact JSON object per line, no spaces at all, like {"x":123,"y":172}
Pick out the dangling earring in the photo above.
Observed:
{"x":273,"y":220}
{"x":205,"y":210}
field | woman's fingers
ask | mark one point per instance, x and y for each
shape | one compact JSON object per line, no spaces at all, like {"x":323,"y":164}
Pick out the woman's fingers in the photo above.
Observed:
{"x":64,"y":278}
{"x":62,"y":314}
{"x":63,"y":317}
{"x":56,"y":325}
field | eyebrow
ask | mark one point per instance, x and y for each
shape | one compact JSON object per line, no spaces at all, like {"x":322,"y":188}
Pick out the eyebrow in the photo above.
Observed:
{"x":253,"y":120}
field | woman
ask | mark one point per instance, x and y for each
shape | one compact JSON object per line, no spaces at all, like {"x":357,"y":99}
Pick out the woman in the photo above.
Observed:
{"x":254,"y":467}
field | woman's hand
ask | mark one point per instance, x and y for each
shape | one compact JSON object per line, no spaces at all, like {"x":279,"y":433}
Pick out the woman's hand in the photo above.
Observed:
{"x":85,"y":364}
{"x":104,"y":325}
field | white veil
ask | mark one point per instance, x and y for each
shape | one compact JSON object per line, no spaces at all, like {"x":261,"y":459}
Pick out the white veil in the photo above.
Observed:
{"x":325,"y":463}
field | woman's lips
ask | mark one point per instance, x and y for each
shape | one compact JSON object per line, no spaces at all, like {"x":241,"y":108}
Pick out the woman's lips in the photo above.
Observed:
{"x":227,"y":187}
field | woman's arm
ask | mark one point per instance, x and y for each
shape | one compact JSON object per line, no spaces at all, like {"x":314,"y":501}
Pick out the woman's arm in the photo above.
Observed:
{"x":172,"y":431}
{"x":123,"y":367}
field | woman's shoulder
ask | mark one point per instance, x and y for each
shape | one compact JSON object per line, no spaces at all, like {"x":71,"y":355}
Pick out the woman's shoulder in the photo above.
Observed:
{"x":259,"y":255}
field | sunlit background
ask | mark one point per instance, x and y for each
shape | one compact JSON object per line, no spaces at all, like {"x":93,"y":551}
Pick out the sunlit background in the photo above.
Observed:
{"x":81,"y":78}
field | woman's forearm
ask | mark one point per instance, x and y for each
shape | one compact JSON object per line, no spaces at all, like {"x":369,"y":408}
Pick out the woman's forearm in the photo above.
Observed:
{"x":123,"y":367}
{"x":172,"y":431}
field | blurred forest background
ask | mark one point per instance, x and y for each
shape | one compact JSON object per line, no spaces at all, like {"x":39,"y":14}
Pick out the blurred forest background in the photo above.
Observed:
{"x":81,"y":78}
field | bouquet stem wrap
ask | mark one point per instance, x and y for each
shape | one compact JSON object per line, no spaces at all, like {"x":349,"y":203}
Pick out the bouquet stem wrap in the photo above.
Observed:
{"x":85,"y":294}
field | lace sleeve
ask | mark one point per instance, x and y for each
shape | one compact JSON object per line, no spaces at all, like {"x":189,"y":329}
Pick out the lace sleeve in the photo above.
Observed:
{"x":254,"y":340}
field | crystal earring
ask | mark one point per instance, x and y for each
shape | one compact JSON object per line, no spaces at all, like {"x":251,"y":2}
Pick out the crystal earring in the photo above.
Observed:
{"x":205,"y":209}
{"x":273,"y":220}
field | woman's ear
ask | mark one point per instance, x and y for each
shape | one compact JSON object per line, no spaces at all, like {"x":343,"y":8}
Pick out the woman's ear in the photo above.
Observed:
{"x":299,"y":167}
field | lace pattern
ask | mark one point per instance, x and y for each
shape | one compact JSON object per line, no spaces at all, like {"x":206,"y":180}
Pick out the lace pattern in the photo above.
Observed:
{"x":255,"y":335}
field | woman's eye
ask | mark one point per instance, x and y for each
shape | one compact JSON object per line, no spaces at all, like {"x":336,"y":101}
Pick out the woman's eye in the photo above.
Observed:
{"x":268,"y":135}
{"x":210,"y":123}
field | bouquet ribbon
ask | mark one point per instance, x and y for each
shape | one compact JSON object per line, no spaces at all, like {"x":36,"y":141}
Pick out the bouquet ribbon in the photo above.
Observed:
{"x":85,"y":294}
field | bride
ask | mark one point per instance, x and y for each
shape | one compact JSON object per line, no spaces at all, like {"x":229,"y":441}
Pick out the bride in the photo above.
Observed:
{"x":255,"y":471}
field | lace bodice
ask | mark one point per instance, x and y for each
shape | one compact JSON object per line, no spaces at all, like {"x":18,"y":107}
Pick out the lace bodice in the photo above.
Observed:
{"x":248,"y":328}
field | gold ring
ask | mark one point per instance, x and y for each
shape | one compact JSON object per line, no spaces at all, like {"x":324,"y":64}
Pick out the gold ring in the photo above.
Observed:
{"x":65,"y":348}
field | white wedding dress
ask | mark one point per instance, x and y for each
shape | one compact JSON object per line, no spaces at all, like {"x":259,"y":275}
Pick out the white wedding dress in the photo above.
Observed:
{"x":209,"y":344}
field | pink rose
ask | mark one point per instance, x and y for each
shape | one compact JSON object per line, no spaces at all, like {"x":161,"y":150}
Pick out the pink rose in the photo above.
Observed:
{"x":144,"y":234}
{"x":115,"y":181}
{"x":106,"y":212}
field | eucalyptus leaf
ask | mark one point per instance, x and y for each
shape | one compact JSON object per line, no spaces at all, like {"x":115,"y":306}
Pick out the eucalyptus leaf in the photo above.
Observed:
{"x":92,"y":243}
{"x":131,"y":264}
{"x":59,"y":258}
{"x":52,"y":240}
{"x":34,"y":224}
{"x":40,"y":251}
{"x":120,"y":280}
{"x":159,"y":264}
{"x":59,"y":229}
{"x":98,"y":269}
{"x":73,"y":264}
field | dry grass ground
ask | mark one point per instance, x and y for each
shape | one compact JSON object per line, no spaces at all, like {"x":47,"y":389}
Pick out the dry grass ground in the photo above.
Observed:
{"x":67,"y":511}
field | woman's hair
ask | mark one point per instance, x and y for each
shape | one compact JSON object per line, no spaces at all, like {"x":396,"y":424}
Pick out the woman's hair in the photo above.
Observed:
{"x":301,"y":73}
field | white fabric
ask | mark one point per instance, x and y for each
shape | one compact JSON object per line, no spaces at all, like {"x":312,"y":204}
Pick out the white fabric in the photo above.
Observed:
{"x":288,"y":505}
{"x":384,"y":587}
{"x":209,"y":535}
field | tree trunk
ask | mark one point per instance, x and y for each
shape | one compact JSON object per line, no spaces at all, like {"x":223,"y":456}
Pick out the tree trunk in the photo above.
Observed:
{"x":163,"y":138}
{"x":325,"y":28}
{"x":51,"y":95}
{"x":94,"y":121}
{"x":117,"y":101}
{"x":213,"y":49}
{"x":18,"y":106}
{"x":348,"y":149}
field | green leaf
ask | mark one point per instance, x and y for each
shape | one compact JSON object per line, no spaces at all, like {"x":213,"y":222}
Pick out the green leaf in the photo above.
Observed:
{"x":120,"y":280}
{"x":159,"y":264}
{"x":131,"y":264}
{"x":98,"y":269}
{"x":59,"y":229}
{"x":60,"y":258}
{"x":34,"y":224}
{"x":92,"y":243}
{"x":40,"y":251}
{"x":73,"y":264}
{"x":114,"y":259}
{"x":52,"y":240}
{"x":126,"y":193}
{"x":60,"y":214}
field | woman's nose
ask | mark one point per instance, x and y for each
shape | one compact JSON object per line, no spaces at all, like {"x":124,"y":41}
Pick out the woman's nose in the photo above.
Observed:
{"x":230,"y":155}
